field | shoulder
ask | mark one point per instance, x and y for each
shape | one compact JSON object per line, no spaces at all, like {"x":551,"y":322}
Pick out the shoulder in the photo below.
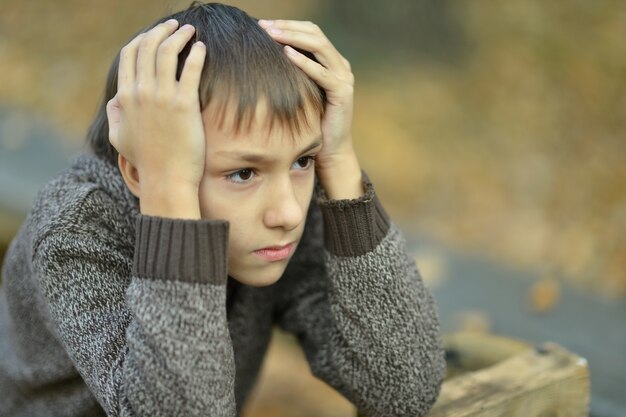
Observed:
{"x":86,"y":198}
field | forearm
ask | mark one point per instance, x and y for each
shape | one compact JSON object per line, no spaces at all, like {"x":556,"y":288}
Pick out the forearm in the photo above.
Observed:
{"x":153,"y":340}
{"x":180,"y":332}
{"x":386,"y":346}
{"x":386,"y":318}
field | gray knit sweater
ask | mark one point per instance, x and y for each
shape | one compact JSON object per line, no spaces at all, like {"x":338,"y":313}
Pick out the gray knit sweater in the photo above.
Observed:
{"x":105,"y":311}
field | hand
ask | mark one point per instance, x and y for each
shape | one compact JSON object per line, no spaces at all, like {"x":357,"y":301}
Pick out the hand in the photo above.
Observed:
{"x":155,"y":120}
{"x":336,"y":165}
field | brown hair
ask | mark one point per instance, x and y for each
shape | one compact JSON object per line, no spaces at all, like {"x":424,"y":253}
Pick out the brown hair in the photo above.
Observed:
{"x":243,"y":65}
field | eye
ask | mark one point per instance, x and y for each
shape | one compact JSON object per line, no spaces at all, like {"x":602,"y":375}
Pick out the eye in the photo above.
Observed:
{"x":305,"y":162}
{"x":241,"y":177}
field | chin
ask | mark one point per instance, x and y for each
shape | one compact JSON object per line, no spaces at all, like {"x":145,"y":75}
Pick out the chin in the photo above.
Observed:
{"x":258,"y":277}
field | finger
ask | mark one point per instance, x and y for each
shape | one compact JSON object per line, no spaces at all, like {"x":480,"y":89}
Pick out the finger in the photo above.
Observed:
{"x":320,"y":74}
{"x":146,"y":60}
{"x":295,"y":25}
{"x":346,"y":63}
{"x":126,"y":70}
{"x":167,"y":56}
{"x":319,"y":45}
{"x":192,"y":70}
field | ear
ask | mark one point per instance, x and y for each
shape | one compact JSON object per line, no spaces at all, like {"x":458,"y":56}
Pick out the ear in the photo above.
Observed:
{"x":130,"y":175}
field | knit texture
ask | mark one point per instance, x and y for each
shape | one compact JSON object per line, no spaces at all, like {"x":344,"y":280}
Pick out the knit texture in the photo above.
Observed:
{"x":353,"y":227}
{"x":199,"y":248}
{"x":105,"y":311}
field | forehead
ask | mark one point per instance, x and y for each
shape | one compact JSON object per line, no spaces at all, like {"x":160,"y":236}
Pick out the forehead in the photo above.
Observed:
{"x":259,"y":128}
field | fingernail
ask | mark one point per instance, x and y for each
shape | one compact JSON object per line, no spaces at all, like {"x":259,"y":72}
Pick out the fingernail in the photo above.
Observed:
{"x":275,"y":31}
{"x":172,"y":22}
{"x":265,"y":23}
{"x":187,"y":27}
{"x":290,"y":50}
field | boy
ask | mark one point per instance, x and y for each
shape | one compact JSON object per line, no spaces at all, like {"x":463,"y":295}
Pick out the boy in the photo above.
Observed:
{"x":148,"y":276}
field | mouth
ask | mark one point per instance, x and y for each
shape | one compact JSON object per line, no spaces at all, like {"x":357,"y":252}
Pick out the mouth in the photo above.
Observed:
{"x":275,"y":253}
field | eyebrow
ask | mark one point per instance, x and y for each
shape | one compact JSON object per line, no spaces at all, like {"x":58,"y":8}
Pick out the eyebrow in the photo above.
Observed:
{"x":260,"y":158}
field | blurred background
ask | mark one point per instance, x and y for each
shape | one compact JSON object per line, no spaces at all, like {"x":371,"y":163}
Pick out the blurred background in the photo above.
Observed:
{"x":494,"y":132}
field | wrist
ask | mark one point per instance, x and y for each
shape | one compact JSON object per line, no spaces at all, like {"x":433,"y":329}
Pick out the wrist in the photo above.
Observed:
{"x":170,"y":199}
{"x":341,"y":177}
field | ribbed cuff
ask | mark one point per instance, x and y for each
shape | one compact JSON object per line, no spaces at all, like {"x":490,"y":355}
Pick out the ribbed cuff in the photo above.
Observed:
{"x":181,"y":250}
{"x":353,"y":227}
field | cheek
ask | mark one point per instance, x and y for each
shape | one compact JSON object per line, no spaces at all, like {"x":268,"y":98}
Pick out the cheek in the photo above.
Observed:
{"x":217,"y":204}
{"x":305,"y":192}
{"x":239,"y":239}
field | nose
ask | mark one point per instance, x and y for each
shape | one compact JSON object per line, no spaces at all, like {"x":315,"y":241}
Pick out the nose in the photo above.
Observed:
{"x":283,"y":208}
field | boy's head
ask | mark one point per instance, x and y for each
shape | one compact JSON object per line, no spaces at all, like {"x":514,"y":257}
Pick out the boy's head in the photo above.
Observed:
{"x":243,"y":66}
{"x":254,"y":101}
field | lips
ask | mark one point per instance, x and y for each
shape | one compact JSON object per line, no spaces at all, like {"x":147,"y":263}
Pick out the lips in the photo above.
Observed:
{"x":275,"y":253}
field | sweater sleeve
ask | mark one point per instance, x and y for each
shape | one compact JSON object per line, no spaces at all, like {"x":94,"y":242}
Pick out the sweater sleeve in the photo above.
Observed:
{"x":149,"y":338}
{"x":366,"y":322}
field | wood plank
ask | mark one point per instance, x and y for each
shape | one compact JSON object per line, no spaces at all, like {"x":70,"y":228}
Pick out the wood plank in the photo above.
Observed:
{"x":471,"y":351}
{"x":548,"y":381}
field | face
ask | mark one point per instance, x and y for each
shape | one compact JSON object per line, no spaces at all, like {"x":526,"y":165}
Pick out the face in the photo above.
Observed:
{"x":261,"y":181}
